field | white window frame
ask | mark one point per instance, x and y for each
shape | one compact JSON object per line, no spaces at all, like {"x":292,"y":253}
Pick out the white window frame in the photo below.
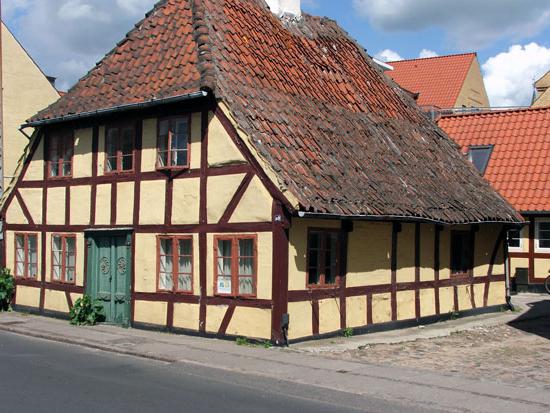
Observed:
{"x":537,"y":230}
{"x":521,"y":243}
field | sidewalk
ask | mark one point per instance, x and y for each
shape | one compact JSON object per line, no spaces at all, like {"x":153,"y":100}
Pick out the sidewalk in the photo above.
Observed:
{"x":404,"y":385}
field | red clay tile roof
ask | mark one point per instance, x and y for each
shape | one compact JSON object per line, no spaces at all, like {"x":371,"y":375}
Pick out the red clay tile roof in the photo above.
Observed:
{"x":340,"y":136}
{"x":519,"y":167}
{"x":438,"y":80}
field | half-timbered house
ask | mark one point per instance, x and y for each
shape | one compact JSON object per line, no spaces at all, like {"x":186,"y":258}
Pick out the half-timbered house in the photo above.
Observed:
{"x":224,"y":170}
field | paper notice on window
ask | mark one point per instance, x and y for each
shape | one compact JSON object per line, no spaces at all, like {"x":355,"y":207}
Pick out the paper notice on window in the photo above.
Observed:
{"x":224,"y":285}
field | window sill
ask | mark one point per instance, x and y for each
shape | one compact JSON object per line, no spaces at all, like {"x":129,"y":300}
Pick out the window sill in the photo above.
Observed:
{"x":62,"y":282}
{"x":59,"y":178}
{"x":236,"y":297}
{"x":323,"y":287}
{"x":175,"y":292}
{"x":111,"y":173}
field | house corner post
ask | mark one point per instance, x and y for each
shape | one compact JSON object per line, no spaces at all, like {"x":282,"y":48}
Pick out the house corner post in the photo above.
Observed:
{"x":281,"y":225}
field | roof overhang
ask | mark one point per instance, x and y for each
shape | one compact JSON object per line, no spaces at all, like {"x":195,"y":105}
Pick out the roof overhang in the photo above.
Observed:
{"x":117,"y":109}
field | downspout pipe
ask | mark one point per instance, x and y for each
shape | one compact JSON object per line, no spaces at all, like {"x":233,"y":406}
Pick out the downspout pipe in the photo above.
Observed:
{"x":507,"y":274}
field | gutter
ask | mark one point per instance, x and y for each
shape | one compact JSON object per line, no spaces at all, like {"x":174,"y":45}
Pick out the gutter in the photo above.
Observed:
{"x":403,"y":218}
{"x":117,"y":109}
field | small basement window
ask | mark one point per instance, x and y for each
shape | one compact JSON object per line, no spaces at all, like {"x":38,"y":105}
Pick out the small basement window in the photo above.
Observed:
{"x":515,"y":240}
{"x":479,"y":156}
{"x":461,"y":253}
{"x":322,"y":258}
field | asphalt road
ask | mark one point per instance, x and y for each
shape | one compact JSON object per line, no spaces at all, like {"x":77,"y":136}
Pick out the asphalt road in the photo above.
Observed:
{"x":42,"y":376}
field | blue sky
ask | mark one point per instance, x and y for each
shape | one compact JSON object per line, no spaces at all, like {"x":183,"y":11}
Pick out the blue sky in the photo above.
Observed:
{"x":512,"y":37}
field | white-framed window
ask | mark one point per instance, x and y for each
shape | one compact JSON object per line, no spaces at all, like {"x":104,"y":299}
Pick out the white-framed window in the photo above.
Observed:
{"x":515,"y":240}
{"x":542,"y":235}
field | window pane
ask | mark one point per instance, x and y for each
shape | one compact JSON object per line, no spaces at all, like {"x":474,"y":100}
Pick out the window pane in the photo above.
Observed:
{"x":33,"y":270}
{"x":179,"y":158}
{"x":224,"y":285}
{"x":224,"y":248}
{"x":67,"y":168}
{"x":313,"y":275}
{"x":57,"y":243}
{"x":185,"y":265}
{"x":164,"y":126}
{"x":314,"y":240}
{"x":128,"y":141}
{"x":69,"y":277}
{"x":246,"y":248}
{"x":246,"y":266}
{"x":166,"y":263}
{"x":330,"y":258}
{"x":184,"y":282}
{"x":181,"y":126}
{"x":224,"y":266}
{"x":246,"y":285}
{"x":179,"y":141}
{"x":71,"y":245}
{"x":480,"y":156}
{"x":111,"y":142}
{"x":460,"y":254}
{"x":185,"y":247}
{"x":127,"y":163}
{"x":162,"y":159}
{"x":514,"y":238}
{"x":165,"y":281}
{"x":20,"y":269}
{"x":166,"y":246}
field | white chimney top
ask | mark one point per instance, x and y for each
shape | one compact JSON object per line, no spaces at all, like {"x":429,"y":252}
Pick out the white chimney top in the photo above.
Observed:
{"x":285,"y":7}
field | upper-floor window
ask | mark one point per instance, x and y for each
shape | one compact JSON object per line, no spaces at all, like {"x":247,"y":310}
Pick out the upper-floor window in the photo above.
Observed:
{"x":60,"y":153}
{"x":175,"y":264}
{"x":64,"y":258}
{"x":236,"y":269}
{"x":26,"y":255}
{"x":515,"y":240}
{"x":542,"y":235}
{"x":322,"y":258}
{"x":119,"y":148}
{"x":173,"y":143}
{"x":461,"y":252}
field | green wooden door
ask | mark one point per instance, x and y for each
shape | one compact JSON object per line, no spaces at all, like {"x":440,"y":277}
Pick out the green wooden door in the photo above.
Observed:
{"x":109,"y":275}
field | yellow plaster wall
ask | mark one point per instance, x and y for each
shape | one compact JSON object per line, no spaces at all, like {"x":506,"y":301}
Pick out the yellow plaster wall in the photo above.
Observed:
{"x":446,"y":300}
{"x":55,"y":215}
{"x":542,"y":268}
{"x":356,"y":311}
{"x":220,"y":191}
{"x":56,"y":301}
{"x":381,"y":308}
{"x":149,"y":145}
{"x":369,"y":254}
{"x":152,"y":202}
{"x":485,"y":240}
{"x":297,"y":249}
{"x":479,"y":291}
{"x":427,"y":253}
{"x":186,"y":201}
{"x":33,"y":200}
{"x":265,"y":255}
{"x":103,"y":204}
{"x":221,"y":149}
{"x":405,"y":305}
{"x":497,"y":293}
{"x":214,"y":317}
{"x":25,"y":91}
{"x":35,"y":171}
{"x":28,"y":296}
{"x":250,"y":322}
{"x":427,"y":302}
{"x":14,"y":213}
{"x":255,"y":205}
{"x":329,"y":315}
{"x":75,"y":296}
{"x":405,"y":254}
{"x":80,"y":204}
{"x":516,"y":263}
{"x":186,"y":316}
{"x":465,"y":297}
{"x":82,"y":161}
{"x":300,"y":319}
{"x":473,"y":93}
{"x":150,"y":312}
{"x":125,"y":203}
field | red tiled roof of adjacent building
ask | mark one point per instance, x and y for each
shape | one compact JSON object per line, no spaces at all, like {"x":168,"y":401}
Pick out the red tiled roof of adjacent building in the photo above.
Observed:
{"x":519,"y":167}
{"x":438,"y":80}
{"x":339,"y":135}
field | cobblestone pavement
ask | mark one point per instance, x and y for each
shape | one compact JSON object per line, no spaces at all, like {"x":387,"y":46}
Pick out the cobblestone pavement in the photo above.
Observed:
{"x":518,"y":354}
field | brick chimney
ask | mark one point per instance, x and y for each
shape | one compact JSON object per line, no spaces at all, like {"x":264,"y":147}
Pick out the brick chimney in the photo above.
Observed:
{"x":285,"y":7}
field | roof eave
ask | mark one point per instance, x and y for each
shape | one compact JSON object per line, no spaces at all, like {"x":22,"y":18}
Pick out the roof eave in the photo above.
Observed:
{"x":116,"y":109}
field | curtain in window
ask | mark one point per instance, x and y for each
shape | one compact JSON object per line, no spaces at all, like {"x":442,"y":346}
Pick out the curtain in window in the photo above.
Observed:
{"x":20,"y":255}
{"x":224,"y":266}
{"x":185,"y":265}
{"x":166,"y":269}
{"x":57,"y":252}
{"x":246,"y":266}
{"x":33,"y":256}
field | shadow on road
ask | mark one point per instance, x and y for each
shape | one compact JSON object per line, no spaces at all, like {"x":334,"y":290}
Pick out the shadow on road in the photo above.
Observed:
{"x":536,"y":320}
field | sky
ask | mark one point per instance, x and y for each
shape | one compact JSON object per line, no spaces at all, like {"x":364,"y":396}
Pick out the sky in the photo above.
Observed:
{"x":512,"y":37}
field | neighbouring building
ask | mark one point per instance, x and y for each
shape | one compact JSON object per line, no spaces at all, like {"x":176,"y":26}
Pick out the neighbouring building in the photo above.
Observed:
{"x":511,"y":149}
{"x":225,"y":170}
{"x":25,"y":90}
{"x":442,"y":82}
{"x":541,"y":97}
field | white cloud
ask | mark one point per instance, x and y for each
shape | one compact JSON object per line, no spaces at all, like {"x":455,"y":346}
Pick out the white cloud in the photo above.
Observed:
{"x":469,"y":24}
{"x":509,"y":76}
{"x":388,"y":55}
{"x":67,"y":37}
{"x":427,"y":53}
